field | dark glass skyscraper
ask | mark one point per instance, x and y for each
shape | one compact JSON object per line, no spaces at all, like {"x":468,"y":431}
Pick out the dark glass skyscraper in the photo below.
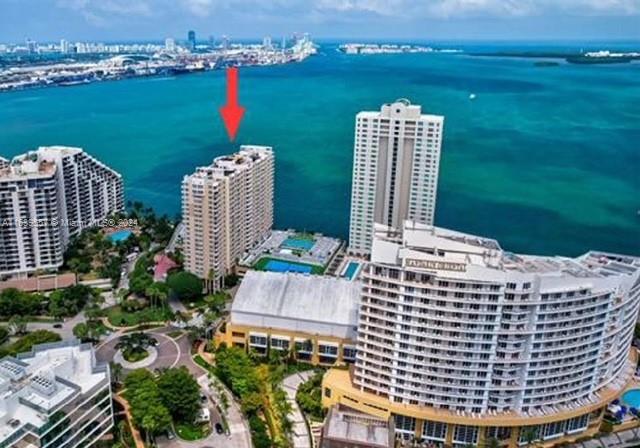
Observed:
{"x":191,"y":38}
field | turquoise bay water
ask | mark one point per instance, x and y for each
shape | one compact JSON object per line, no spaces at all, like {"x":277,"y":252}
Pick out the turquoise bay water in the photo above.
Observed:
{"x":545,"y":159}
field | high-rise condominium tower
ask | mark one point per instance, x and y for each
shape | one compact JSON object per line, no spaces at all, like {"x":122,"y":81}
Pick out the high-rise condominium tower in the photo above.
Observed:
{"x":461,"y":342}
{"x":395,"y":170}
{"x":46,"y":197}
{"x":227,"y":207}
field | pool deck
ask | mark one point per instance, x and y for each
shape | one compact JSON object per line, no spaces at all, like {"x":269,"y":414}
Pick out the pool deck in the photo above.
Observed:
{"x":281,"y":245}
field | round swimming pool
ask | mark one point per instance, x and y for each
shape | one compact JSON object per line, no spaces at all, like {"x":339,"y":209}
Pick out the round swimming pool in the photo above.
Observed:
{"x":631,"y":398}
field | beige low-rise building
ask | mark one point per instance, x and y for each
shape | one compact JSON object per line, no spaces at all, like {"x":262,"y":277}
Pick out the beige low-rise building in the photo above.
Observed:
{"x":311,"y":317}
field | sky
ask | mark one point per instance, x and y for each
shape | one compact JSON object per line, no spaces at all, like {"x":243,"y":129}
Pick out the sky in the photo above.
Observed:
{"x":118,"y":20}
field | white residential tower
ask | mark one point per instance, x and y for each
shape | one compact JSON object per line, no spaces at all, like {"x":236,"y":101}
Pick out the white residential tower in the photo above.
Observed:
{"x":395,"y":170}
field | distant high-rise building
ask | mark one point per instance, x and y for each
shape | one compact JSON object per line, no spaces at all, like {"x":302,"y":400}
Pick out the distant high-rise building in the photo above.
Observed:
{"x":46,"y":197}
{"x":64,"y":46}
{"x":170,"y":45}
{"x":266,"y":43}
{"x":395,"y":170}
{"x":225,"y":42}
{"x":227,"y":207}
{"x":191,"y":39}
{"x":32,"y":47}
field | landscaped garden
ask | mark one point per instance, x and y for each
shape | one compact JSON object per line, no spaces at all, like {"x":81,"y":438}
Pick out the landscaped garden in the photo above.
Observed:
{"x":257,"y":384}
{"x":309,"y":397}
{"x":18,"y":308}
{"x":135,"y":346}
{"x":157,"y":403}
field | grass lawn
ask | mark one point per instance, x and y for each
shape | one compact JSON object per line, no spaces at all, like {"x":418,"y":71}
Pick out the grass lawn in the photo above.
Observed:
{"x":175,"y":334}
{"x":261,"y":265}
{"x":119,"y":318}
{"x":135,"y":356}
{"x":192,"y":431}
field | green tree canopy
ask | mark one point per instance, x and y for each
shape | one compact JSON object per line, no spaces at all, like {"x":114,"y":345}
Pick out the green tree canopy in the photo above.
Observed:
{"x":70,"y":301}
{"x":147,"y":409}
{"x":25,"y":343}
{"x":180,"y":394}
{"x":17,"y":303}
{"x":185,"y":285}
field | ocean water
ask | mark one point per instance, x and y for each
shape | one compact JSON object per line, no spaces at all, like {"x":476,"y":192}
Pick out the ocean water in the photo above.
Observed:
{"x":545,"y":159}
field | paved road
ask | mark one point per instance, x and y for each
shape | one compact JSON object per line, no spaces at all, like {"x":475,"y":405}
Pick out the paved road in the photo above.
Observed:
{"x":290,"y":384}
{"x":239,"y":434}
{"x":65,"y":332}
{"x":169,"y":351}
{"x":175,"y":353}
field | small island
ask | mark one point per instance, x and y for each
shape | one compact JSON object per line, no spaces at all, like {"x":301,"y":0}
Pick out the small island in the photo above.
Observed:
{"x":362,"y":48}
{"x":590,"y":57}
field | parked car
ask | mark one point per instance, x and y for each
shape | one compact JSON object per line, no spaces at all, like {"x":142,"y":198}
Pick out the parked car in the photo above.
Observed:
{"x":57,"y":325}
{"x":219,"y":428}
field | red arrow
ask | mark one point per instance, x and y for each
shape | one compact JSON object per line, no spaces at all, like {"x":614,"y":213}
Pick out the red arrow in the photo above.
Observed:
{"x":232,"y":112}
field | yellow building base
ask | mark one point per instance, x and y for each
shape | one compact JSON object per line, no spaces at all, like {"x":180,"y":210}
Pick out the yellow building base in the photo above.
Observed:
{"x":338,"y":389}
{"x":240,"y":336}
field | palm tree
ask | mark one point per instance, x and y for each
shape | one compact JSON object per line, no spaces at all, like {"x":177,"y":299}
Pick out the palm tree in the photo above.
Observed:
{"x":210,"y":280}
{"x":156,"y":293}
{"x":116,"y":372}
{"x":492,"y":442}
{"x":529,"y":435}
{"x":135,"y":343}
{"x":18,"y":325}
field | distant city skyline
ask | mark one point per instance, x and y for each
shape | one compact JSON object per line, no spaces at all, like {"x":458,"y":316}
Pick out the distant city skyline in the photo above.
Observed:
{"x":117,"y":20}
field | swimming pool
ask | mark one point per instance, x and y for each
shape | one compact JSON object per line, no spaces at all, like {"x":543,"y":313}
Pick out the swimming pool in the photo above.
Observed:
{"x":283,"y":266}
{"x":351,"y":270}
{"x":120,"y":236}
{"x":297,"y":243}
{"x":631,"y":398}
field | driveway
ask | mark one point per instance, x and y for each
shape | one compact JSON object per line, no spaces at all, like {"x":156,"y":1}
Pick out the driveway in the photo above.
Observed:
{"x":65,"y":332}
{"x":290,"y":384}
{"x":169,"y":351}
{"x":239,"y":435}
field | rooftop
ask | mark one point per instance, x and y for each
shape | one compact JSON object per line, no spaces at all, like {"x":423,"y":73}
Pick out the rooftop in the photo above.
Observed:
{"x":400,"y":108}
{"x":35,"y":384}
{"x":232,"y":164}
{"x":357,"y":428}
{"x":34,"y":164}
{"x":304,"y":299}
{"x":434,"y":246}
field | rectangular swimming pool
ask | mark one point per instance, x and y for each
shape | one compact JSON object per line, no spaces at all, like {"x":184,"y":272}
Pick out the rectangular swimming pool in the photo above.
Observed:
{"x":352,"y":269}
{"x":298,"y":243}
{"x":283,"y":266}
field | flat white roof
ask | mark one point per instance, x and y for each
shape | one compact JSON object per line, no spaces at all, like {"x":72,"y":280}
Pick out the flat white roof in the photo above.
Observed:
{"x":297,"y":302}
{"x":45,"y":378}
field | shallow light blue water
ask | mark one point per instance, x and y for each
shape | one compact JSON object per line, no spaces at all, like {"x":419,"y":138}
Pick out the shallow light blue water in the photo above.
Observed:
{"x":283,"y":266}
{"x":293,"y":243}
{"x":545,"y":159}
{"x":351,"y":270}
{"x":632,"y":398}
{"x":120,"y":235}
